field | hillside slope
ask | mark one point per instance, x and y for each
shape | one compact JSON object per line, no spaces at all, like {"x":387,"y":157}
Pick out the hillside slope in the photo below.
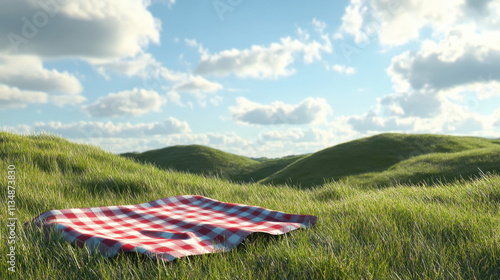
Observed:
{"x":449,"y":231}
{"x":264,"y":169}
{"x":209,"y":161}
{"x":195,"y":159}
{"x":387,"y":158}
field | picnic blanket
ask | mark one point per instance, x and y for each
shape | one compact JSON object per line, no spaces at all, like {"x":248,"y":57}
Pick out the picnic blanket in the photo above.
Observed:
{"x":168,"y":228}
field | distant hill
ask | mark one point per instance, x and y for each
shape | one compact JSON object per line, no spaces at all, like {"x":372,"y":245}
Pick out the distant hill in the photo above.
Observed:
{"x":209,"y":161}
{"x":264,"y":169}
{"x":445,"y":231}
{"x":195,"y":159}
{"x":387,"y":158}
{"x":381,"y":160}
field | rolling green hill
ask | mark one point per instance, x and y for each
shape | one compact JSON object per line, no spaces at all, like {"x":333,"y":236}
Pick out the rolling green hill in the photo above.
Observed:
{"x":447,"y":231}
{"x":264,"y":169}
{"x":387,"y":158}
{"x":209,"y":161}
{"x":195,"y":159}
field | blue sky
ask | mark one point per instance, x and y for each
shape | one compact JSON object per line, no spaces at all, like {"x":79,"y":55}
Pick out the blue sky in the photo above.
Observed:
{"x":256,"y":78}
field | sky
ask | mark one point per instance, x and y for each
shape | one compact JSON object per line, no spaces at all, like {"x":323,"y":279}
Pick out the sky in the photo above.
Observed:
{"x":256,"y":78}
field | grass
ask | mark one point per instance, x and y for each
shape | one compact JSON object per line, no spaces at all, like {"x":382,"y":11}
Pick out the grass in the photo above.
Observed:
{"x":389,"y":159}
{"x":441,"y":231}
{"x":195,"y":159}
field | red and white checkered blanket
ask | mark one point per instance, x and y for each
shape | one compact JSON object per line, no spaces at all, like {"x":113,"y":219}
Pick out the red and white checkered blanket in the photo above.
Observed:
{"x":169,"y":228}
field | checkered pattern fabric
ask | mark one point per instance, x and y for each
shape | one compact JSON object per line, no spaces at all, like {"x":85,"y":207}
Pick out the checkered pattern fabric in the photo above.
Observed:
{"x":169,"y":228}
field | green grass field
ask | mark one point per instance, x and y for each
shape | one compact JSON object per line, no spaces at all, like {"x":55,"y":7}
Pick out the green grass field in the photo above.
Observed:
{"x":426,"y":231}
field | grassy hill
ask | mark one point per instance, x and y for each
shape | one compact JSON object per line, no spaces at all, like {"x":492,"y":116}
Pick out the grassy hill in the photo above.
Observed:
{"x":209,"y":161}
{"x":392,"y":158}
{"x":195,"y":159}
{"x":447,"y":231}
{"x":264,"y":169}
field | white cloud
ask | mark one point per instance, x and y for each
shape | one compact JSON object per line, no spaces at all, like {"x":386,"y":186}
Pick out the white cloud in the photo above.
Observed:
{"x":398,"y":22}
{"x":290,"y":134}
{"x":310,"y":110}
{"x":124,"y":137}
{"x":63,"y":100}
{"x":294,"y":134}
{"x":342,"y":69}
{"x":295,"y":140}
{"x":216,"y":100}
{"x":271,"y":61}
{"x":452,"y":118}
{"x":196,"y":86}
{"x":27,"y":73}
{"x":229,"y":142}
{"x":144,"y":65}
{"x":134,"y":102}
{"x":257,"y":62}
{"x":222,"y":140}
{"x":102,"y":32}
{"x":12,"y":97}
{"x":26,"y":77}
{"x":78,"y":28}
{"x":191,"y":42}
{"x":464,"y":58}
{"x":97,"y":130}
{"x":439,"y":87}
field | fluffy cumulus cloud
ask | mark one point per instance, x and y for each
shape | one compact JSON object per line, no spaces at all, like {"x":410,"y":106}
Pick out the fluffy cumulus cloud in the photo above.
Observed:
{"x":452,"y":118}
{"x":81,"y":28}
{"x":464,"y":57}
{"x":295,"y":135}
{"x":12,"y":97}
{"x":127,"y":103}
{"x":144,"y":65}
{"x":130,"y":66}
{"x":256,"y":62}
{"x":27,"y":73}
{"x":125,"y":137}
{"x":103,"y":33}
{"x":18,"y":87}
{"x":396,"y":22}
{"x":443,"y":83}
{"x":96,"y":130}
{"x":271,"y":61}
{"x":412,"y":104}
{"x":438,"y":87}
{"x":197,"y":85}
{"x":309,"y":111}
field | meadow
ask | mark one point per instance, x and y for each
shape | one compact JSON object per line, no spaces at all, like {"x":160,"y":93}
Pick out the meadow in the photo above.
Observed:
{"x":372,"y":222}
